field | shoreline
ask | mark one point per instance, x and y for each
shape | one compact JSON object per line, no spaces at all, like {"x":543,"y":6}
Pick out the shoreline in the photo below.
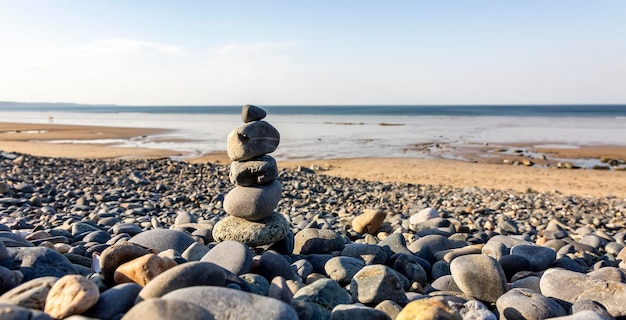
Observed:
{"x":480,"y":171}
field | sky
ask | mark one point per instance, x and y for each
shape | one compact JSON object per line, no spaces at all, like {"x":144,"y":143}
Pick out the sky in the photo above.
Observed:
{"x":153,"y":52}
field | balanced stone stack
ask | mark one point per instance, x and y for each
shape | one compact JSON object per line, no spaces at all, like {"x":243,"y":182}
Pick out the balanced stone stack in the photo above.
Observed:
{"x":251,"y":203}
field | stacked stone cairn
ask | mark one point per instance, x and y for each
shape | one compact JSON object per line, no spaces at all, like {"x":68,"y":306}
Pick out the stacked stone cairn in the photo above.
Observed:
{"x":250,"y":205}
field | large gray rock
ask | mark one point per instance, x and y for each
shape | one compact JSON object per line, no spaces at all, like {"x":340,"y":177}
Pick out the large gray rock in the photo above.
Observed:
{"x":161,"y":309}
{"x":252,"y":233}
{"x":375,"y":283}
{"x":342,"y":269}
{"x":223,"y":303}
{"x":114,"y":302}
{"x":163,"y":239}
{"x":31,"y":294}
{"x":185,"y":275}
{"x":251,"y":140}
{"x":231,"y":255}
{"x":253,"y":203}
{"x":256,"y":171}
{"x":527,"y":304}
{"x":479,"y":276}
{"x":539,"y":257}
{"x":36,"y":262}
{"x":572,"y":286}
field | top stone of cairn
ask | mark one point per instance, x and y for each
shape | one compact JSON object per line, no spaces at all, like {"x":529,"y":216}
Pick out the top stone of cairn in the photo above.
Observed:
{"x":251,"y":113}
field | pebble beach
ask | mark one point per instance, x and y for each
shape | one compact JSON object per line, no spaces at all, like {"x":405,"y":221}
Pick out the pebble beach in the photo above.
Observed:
{"x":149,"y":238}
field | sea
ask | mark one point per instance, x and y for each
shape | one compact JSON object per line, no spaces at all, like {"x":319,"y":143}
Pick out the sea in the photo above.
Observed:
{"x":342,"y":131}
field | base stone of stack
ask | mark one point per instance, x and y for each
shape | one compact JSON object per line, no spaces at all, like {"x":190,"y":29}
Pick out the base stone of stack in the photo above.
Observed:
{"x":252,"y":233}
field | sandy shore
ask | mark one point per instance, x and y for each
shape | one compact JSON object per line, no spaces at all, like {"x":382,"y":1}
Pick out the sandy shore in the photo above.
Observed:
{"x":488,"y":172}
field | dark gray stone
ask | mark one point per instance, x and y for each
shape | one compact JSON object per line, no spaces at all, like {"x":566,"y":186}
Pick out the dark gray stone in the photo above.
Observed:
{"x":189,"y":274}
{"x":257,"y":284}
{"x":37,"y":262}
{"x":13,"y":312}
{"x":162,"y":309}
{"x":251,"y":113}
{"x":163,"y":239}
{"x":527,"y":304}
{"x":272,"y":264}
{"x":595,"y":306}
{"x":97,"y":236}
{"x":255,"y":202}
{"x":225,"y":302}
{"x":370,"y":253}
{"x":114,"y":302}
{"x":231,"y":255}
{"x":539,"y":257}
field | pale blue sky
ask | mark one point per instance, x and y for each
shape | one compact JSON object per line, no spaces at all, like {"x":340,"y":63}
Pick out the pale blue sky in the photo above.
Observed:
{"x":313,"y":52}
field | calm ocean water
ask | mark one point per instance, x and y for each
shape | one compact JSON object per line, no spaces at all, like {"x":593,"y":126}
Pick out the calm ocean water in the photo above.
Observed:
{"x":345,"y":131}
{"x":398,"y":110}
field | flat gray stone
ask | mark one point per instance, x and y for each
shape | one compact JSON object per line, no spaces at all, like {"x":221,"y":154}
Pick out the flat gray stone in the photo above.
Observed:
{"x":251,"y":140}
{"x":252,"y":233}
{"x":253,"y":203}
{"x":31,"y":294}
{"x":231,"y":255}
{"x":375,"y":283}
{"x":188,"y":274}
{"x":167,"y":310}
{"x":324,"y":292}
{"x":223,"y":303}
{"x":254,"y":172}
{"x":539,"y":257}
{"x":163,"y":239}
{"x":114,"y":302}
{"x":310,"y":240}
{"x":37,"y":262}
{"x":342,"y":269}
{"x":527,"y":304}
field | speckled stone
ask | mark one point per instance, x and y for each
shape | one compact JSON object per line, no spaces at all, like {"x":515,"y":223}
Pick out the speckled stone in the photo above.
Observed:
{"x":252,"y":233}
{"x":251,"y":140}
{"x":70,"y":295}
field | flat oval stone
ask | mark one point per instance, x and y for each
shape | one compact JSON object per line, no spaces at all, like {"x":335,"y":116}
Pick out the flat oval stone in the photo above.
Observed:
{"x":479,"y":276}
{"x":253,"y":203}
{"x":163,"y":239}
{"x":36,"y":262}
{"x":527,"y":304}
{"x":252,"y":233}
{"x":31,"y":294}
{"x":188,"y":274}
{"x":167,"y":310}
{"x":231,"y":255}
{"x":70,"y":295}
{"x":376,"y":283}
{"x":251,"y":113}
{"x":251,"y":140}
{"x":253,"y":172}
{"x":225,"y":302}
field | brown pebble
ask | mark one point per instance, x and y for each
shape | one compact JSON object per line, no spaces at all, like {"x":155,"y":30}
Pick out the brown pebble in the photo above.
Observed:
{"x":141,"y":270}
{"x":427,"y":309}
{"x":369,"y":221}
{"x":70,"y":295}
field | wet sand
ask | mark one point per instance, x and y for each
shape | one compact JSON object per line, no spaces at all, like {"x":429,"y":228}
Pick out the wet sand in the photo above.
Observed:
{"x":487,"y":172}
